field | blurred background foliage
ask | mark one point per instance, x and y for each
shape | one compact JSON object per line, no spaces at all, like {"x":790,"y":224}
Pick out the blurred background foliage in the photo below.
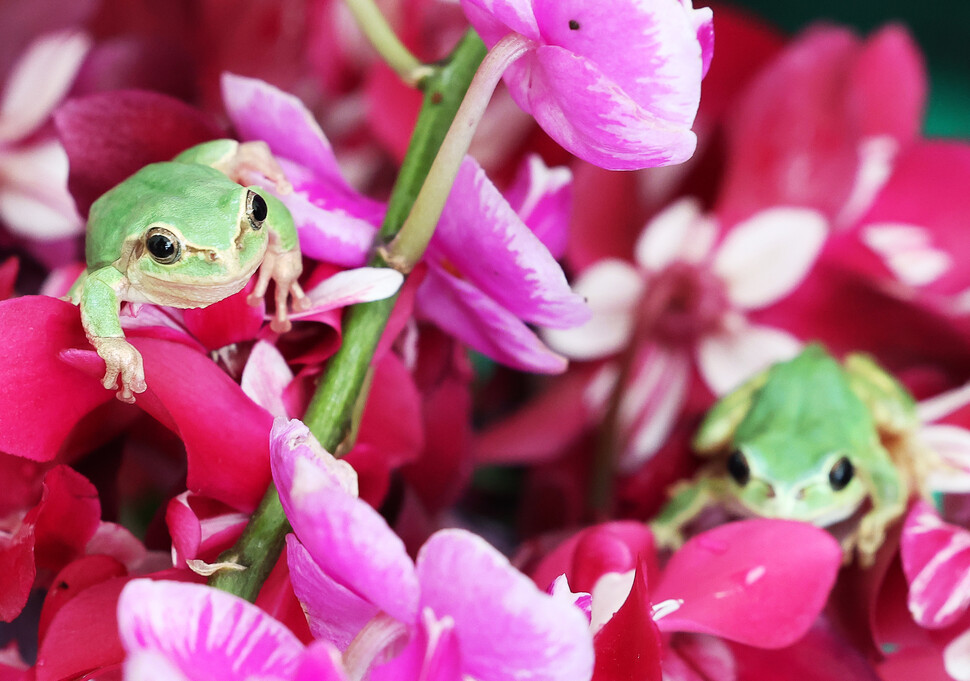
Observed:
{"x":941,"y":27}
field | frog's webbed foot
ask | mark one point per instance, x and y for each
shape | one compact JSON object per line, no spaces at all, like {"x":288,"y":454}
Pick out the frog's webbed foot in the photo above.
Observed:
{"x":285,"y":269}
{"x":121,"y":359}
{"x":255,"y":158}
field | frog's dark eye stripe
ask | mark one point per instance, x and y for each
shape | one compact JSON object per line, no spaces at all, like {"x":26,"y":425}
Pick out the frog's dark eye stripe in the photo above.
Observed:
{"x":256,"y":209}
{"x":738,"y":468}
{"x":841,"y":474}
{"x":163,"y":246}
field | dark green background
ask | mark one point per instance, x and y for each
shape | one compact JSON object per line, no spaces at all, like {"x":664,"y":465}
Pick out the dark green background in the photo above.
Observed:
{"x":941,"y":27}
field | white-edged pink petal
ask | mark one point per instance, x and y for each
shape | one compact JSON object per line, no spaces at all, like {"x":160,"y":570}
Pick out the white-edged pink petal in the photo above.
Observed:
{"x":765,"y":258}
{"x":652,"y":402}
{"x":34,"y":200}
{"x":481,"y":237}
{"x":432,"y":654}
{"x":350,"y":542}
{"x":204,"y":633}
{"x":321,"y":661}
{"x":937,"y":407}
{"x":609,"y":594}
{"x":542,"y":197}
{"x":908,"y":251}
{"x":39,"y":80}
{"x":952,"y":445}
{"x":612,"y":289}
{"x":117,"y":541}
{"x":506,"y":15}
{"x":334,"y":613}
{"x":678,"y":233}
{"x":359,"y":285}
{"x":465,"y":312}
{"x":729,"y":358}
{"x":260,"y":111}
{"x":265,"y":377}
{"x":148,"y":665}
{"x":539,"y":638}
{"x":936,"y":560}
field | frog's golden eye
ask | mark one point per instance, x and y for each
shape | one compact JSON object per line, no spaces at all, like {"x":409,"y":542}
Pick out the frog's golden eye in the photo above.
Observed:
{"x":163,"y":246}
{"x":256,"y":209}
{"x":841,"y":474}
{"x":738,"y":468}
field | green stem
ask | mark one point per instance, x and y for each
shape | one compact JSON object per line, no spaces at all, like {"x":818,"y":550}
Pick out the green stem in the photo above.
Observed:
{"x":382,"y":37}
{"x":409,"y":245}
{"x":330,"y":412}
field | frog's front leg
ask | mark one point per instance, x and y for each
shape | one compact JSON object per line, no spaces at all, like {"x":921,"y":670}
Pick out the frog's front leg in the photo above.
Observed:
{"x":888,"y":495}
{"x":282,"y":264}
{"x":688,"y":499}
{"x":100,"y":305}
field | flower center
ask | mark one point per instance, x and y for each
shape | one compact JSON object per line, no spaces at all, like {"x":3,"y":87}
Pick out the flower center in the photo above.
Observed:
{"x":682,"y":303}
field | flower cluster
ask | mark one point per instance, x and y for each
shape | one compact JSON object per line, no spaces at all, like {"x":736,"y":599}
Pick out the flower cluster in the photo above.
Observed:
{"x":453,"y":458}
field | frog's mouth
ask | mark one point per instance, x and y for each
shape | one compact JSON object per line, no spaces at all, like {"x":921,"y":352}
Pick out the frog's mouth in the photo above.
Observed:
{"x":179,"y":288}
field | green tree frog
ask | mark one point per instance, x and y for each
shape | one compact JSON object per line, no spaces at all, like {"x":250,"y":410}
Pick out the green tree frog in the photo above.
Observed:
{"x":185,"y":233}
{"x":804,"y":440}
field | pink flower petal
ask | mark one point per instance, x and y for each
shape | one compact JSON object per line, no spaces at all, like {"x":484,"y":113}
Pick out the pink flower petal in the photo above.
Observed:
{"x":463,"y":311}
{"x":952,"y":444}
{"x":432,"y":654}
{"x":360,"y":285}
{"x":205,"y":632}
{"x":231,"y":320}
{"x":956,"y":657}
{"x":34,"y":201}
{"x":201,"y":528}
{"x":540,"y":638}
{"x":612,"y":288}
{"x":628,"y":646}
{"x":334,"y":613}
{"x":936,"y":559}
{"x":728,"y":359}
{"x":321,"y":662}
{"x":501,"y":16}
{"x":542,"y":198}
{"x":763,"y":259}
{"x":652,"y":402}
{"x":759,"y":582}
{"x":39,"y":80}
{"x":331,"y":233}
{"x":330,"y":522}
{"x":41,"y":397}
{"x":109,"y":136}
{"x":502,"y":257}
{"x":265,"y":377}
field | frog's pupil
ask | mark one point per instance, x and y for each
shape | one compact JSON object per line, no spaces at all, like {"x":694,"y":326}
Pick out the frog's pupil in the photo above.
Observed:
{"x":841,"y":474}
{"x":738,"y":468}
{"x":259,"y":208}
{"x":161,"y":247}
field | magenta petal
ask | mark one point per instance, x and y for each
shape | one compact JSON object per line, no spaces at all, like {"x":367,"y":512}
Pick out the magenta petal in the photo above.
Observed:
{"x":201,"y":528}
{"x":331,"y":523}
{"x":759,"y":582}
{"x":463,"y":311}
{"x":260,"y":111}
{"x":205,"y":633}
{"x":320,"y":662}
{"x":936,"y":560}
{"x":499,"y":17}
{"x":41,"y":397}
{"x":628,"y":646}
{"x":432,"y":654}
{"x":501,"y":256}
{"x":108,"y":136}
{"x":231,"y":320}
{"x":540,"y":637}
{"x":542,"y":197}
{"x":334,"y":613}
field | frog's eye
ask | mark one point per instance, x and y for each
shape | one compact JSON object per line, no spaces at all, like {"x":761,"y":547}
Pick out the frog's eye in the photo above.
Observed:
{"x":163,"y":246}
{"x":256,"y":209}
{"x":738,"y":468}
{"x":841,"y":474}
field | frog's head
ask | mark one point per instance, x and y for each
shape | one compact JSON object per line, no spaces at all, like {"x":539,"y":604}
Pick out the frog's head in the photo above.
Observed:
{"x":798,"y":480}
{"x":199,"y":247}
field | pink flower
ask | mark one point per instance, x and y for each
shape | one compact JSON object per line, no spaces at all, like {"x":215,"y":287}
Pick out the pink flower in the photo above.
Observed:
{"x":619,"y":109}
{"x":685,"y":302}
{"x":459,"y":598}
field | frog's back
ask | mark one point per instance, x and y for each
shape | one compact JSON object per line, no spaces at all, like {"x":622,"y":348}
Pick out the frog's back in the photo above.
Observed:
{"x":173,"y":193}
{"x":808,"y":398}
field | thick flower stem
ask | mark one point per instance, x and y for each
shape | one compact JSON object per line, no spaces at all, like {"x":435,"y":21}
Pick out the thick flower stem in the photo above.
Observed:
{"x":331,"y":410}
{"x":374,"y":25}
{"x":409,"y":245}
